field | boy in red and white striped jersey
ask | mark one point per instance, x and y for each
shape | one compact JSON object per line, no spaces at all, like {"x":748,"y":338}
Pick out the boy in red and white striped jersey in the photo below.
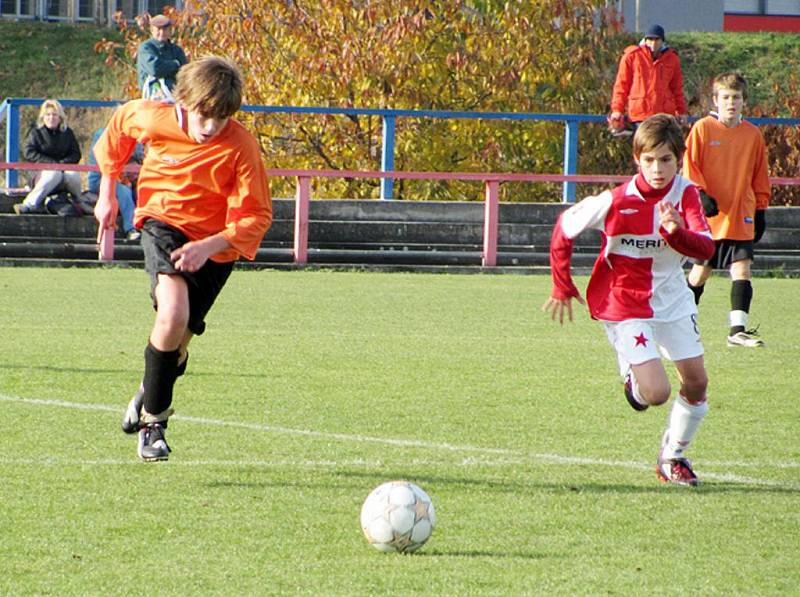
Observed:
{"x":649,"y":226}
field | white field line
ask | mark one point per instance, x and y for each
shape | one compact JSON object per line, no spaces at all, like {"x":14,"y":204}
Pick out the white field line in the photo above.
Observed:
{"x":272,"y":429}
{"x":480,"y":457}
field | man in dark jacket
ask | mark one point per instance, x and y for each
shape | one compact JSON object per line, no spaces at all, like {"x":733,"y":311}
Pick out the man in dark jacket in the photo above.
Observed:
{"x":158,"y":60}
{"x":51,"y":142}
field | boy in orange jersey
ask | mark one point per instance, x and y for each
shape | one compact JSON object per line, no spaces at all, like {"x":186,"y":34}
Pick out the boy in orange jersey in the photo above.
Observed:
{"x":203,"y":202}
{"x":727,"y":158}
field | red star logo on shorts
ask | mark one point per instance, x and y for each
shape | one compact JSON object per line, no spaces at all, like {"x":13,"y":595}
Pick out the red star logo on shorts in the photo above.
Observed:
{"x":641,"y":340}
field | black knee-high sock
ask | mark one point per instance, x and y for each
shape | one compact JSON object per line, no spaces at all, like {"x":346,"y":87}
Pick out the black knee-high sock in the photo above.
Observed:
{"x":160,"y":372}
{"x":698,"y":292}
{"x":741,"y":296}
{"x":182,"y":367}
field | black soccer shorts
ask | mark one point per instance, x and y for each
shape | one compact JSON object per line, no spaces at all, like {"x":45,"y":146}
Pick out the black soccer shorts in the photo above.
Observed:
{"x":158,"y":241}
{"x":727,"y":252}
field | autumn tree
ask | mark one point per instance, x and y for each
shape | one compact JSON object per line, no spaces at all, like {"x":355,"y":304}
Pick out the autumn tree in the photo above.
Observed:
{"x":555,"y":56}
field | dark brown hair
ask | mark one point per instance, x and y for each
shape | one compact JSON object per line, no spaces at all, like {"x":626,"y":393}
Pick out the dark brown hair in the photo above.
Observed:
{"x":211,"y":86}
{"x":657,"y":130}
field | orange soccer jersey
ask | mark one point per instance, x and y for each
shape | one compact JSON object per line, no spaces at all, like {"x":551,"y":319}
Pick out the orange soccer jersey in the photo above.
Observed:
{"x":730,"y":164}
{"x":201,"y":189}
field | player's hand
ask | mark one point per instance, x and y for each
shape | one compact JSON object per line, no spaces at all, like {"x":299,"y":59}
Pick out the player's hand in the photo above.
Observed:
{"x":671,"y":220}
{"x":191,"y":256}
{"x":616,"y":121}
{"x":557,"y":307}
{"x":106,"y":208}
{"x":710,"y":206}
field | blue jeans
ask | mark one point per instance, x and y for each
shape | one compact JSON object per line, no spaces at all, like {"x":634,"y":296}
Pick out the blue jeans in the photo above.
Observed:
{"x":125,"y":201}
{"x":126,"y":206}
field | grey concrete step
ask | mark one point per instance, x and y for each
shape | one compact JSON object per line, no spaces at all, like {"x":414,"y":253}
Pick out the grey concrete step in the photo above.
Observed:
{"x":393,"y":233}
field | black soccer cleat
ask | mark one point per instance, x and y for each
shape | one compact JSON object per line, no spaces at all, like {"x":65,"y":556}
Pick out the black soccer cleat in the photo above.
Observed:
{"x":152,"y":443}
{"x":132,"y":417}
{"x":182,"y":366}
{"x":628,"y":388}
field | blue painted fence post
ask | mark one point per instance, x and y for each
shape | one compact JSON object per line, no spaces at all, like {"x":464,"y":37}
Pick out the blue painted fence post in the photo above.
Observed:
{"x":570,"y":159}
{"x":387,"y":156}
{"x":12,"y":144}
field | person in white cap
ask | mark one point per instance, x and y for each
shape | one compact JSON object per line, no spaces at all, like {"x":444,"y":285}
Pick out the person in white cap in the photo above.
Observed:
{"x":158,"y":60}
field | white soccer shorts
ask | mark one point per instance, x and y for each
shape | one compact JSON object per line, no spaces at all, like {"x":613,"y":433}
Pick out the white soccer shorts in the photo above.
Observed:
{"x":637,"y":341}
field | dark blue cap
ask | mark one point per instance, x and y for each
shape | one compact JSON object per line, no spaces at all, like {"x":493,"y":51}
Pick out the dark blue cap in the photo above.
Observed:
{"x":655,"y":31}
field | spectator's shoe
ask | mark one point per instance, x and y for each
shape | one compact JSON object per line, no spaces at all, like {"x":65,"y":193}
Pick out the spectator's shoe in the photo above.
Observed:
{"x":675,"y":470}
{"x":635,"y":404}
{"x":85,"y":206}
{"x":133,"y":234}
{"x":132,"y":416}
{"x":152,"y":444}
{"x":747,"y":338}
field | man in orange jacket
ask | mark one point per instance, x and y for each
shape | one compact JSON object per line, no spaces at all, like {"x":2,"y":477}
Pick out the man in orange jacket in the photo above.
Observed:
{"x":649,"y":81}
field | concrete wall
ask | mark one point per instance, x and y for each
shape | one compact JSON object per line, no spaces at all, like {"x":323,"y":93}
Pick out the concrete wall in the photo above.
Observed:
{"x":673,"y":15}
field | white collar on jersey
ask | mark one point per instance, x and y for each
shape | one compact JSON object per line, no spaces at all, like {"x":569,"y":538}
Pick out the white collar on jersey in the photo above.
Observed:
{"x":716,"y":115}
{"x":179,"y":115}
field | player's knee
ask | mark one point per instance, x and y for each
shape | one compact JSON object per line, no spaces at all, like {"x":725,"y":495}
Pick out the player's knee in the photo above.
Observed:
{"x":655,"y":395}
{"x":172,"y":319}
{"x":740,"y":270}
{"x":694,"y":387}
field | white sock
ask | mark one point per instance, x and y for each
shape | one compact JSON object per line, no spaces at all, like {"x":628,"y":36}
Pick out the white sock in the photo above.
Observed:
{"x":738,"y":318}
{"x":684,"y":420}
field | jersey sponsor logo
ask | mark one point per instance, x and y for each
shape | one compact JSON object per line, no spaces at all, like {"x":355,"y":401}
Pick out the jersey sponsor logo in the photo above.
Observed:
{"x":169,"y":159}
{"x":715,"y":142}
{"x":643,"y":243}
{"x":628,"y":211}
{"x":748,"y":220}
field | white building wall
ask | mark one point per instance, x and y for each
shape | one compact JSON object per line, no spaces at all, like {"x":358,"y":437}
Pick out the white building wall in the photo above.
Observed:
{"x":673,"y":15}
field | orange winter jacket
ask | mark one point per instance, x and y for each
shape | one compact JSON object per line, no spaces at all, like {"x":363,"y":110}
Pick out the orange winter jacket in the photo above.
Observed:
{"x":646,"y":86}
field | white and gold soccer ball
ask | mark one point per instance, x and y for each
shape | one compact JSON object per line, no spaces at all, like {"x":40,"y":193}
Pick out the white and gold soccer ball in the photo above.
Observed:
{"x":398,"y":516}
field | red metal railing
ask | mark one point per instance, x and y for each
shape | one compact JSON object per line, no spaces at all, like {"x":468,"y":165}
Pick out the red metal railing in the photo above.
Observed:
{"x":491,"y":198}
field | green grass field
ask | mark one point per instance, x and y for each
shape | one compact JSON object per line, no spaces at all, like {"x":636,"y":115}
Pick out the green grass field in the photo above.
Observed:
{"x":311,"y":388}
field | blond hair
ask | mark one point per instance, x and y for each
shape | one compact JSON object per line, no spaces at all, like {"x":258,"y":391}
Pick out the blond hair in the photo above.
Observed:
{"x":730,"y":80}
{"x":212,"y":86}
{"x":51,"y":104}
{"x":657,"y":130}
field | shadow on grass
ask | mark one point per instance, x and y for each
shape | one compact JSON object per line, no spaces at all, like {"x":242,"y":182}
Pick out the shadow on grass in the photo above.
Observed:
{"x":352,"y":478}
{"x":474,"y":553}
{"x":136,"y":370}
{"x":577,"y":488}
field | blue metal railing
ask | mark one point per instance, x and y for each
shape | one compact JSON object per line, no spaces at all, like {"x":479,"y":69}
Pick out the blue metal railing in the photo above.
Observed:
{"x":10,"y":111}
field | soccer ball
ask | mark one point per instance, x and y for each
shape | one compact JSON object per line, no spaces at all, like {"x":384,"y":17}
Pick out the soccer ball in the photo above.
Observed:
{"x":397,"y":516}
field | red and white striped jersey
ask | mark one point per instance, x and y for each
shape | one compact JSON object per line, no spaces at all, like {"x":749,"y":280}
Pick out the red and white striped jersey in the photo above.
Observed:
{"x":639,"y":272}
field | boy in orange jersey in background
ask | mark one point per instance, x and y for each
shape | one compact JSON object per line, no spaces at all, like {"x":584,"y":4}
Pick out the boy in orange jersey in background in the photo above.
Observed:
{"x":203,"y":202}
{"x":727,"y":158}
